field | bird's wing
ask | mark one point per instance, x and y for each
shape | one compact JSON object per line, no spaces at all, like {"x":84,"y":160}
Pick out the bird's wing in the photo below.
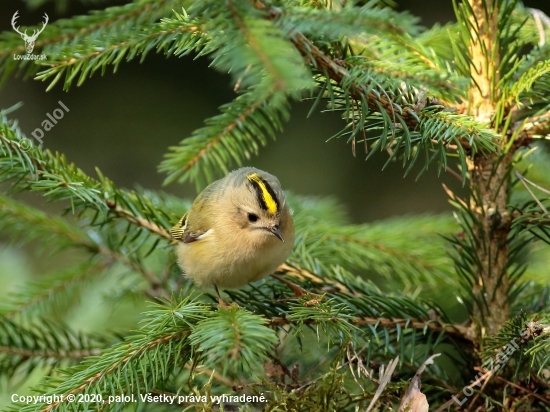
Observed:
{"x":185,"y":232}
{"x":196,"y":223}
{"x":178,"y":231}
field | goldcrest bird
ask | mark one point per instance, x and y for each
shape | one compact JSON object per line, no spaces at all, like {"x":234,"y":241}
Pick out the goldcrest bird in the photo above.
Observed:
{"x":238,"y":230}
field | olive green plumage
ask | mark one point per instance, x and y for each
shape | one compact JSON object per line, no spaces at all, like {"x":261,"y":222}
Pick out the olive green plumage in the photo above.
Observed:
{"x":238,"y":230}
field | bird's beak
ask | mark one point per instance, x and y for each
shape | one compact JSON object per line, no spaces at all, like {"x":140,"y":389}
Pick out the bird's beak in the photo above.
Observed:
{"x":276,"y":231}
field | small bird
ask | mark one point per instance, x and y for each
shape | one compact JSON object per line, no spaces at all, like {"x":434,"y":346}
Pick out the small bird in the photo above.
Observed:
{"x":238,"y":230}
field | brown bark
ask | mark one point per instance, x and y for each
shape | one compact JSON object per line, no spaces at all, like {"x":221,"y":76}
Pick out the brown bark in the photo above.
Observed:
{"x":488,"y":201}
{"x":489,"y":180}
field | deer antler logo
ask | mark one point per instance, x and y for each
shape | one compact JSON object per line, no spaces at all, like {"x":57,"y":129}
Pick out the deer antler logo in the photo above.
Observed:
{"x":29,"y":40}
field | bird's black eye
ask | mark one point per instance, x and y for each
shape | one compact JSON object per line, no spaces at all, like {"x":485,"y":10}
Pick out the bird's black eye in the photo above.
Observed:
{"x":252,"y":217}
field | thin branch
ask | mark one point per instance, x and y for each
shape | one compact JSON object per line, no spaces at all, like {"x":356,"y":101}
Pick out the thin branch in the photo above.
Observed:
{"x":524,"y":181}
{"x":118,"y":364}
{"x":545,"y":399}
{"x":258,"y":50}
{"x":304,"y":274}
{"x":217,"y":139}
{"x":338,"y":72}
{"x":486,"y":376}
{"x":157,"y":288}
{"x":385,"y":378}
{"x":457,"y":331}
{"x":89,"y":27}
{"x":137,"y":220}
{"x":42,"y":169}
{"x":456,"y":175}
{"x":530,"y":128}
{"x":472,"y":403}
{"x":542,"y":189}
{"x":43,"y":353}
{"x":220,"y":378}
{"x":73,"y":61}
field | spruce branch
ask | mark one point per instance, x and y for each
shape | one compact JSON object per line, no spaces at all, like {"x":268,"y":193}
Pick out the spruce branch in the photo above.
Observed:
{"x":523,"y":98}
{"x":349,"y":21}
{"x":49,"y":292}
{"x":54,"y":176}
{"x":151,"y":356}
{"x":340,"y":74}
{"x":257,"y":54}
{"x":331,"y":316}
{"x":176,"y":36}
{"x":462,"y":333}
{"x":30,"y":223}
{"x":523,"y":85}
{"x":390,"y":248}
{"x":247,"y":341}
{"x":363,"y":304}
{"x":49,"y":354}
{"x":272,"y":52}
{"x":60,"y":5}
{"x":537,"y":126}
{"x":138,"y":220}
{"x":105,"y":23}
{"x":420,"y":60}
{"x":228,"y":138}
{"x":407,"y":113}
{"x":443,"y":88}
{"x":303,"y":274}
{"x":42,"y":344}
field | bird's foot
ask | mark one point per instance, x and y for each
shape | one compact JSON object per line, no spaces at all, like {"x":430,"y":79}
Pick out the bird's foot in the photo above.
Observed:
{"x":222,"y":304}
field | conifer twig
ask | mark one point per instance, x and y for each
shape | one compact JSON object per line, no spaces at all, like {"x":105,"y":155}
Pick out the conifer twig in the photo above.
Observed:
{"x":339,"y":73}
{"x":524,"y":181}
{"x":531,"y":127}
{"x":530,"y":392}
{"x":117,"y":364}
{"x":138,"y":221}
{"x":302,"y":273}
{"x":44,"y":353}
{"x":458,"y":331}
{"x":92,"y":26}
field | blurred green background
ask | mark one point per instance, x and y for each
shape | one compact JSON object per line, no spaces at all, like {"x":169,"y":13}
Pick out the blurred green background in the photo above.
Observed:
{"x":124,"y":122}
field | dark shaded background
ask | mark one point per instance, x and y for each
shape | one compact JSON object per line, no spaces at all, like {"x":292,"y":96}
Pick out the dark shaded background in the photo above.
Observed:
{"x":123,"y":123}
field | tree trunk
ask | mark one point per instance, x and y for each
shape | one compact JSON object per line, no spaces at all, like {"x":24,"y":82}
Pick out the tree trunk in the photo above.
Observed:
{"x":489,"y":179}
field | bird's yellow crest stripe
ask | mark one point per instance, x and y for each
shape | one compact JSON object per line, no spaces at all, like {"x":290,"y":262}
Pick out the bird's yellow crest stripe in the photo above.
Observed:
{"x":267,"y":196}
